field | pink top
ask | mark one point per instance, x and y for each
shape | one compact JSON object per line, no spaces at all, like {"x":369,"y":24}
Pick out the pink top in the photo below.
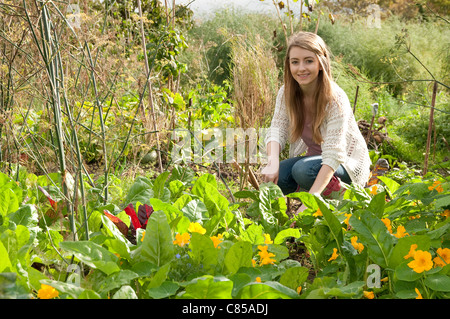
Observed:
{"x":307,"y":137}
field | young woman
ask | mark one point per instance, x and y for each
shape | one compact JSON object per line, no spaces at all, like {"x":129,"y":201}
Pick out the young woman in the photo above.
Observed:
{"x":314,"y":114}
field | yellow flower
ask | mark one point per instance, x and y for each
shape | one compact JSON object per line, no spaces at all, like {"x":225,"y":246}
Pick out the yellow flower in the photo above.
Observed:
{"x":258,"y":279}
{"x":334,"y":255}
{"x":369,"y":294}
{"x":412,"y":251}
{"x":266,"y":257}
{"x":358,"y":246}
{"x":373,"y":190}
{"x":182,"y":239}
{"x":253,"y":262}
{"x":196,"y":228}
{"x":401,"y":232}
{"x":217,"y":240}
{"x":387,"y":223}
{"x":267,"y":239}
{"x":422,"y":261}
{"x":419,"y":295}
{"x":143,"y":235}
{"x":348,"y":218}
{"x":299,"y":289}
{"x":47,"y":292}
{"x":318,"y":213}
{"x":443,"y":257}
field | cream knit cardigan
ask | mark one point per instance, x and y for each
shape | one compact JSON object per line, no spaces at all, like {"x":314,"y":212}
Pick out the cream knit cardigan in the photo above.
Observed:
{"x":343,"y":142}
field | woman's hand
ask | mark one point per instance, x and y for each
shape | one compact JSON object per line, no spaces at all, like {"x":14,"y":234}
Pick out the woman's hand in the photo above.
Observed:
{"x":271,"y":172}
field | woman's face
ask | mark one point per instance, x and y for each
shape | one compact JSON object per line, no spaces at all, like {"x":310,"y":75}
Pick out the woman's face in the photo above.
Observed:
{"x":304,"y":66}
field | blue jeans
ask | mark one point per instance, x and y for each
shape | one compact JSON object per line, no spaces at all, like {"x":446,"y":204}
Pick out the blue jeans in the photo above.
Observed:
{"x":302,"y":171}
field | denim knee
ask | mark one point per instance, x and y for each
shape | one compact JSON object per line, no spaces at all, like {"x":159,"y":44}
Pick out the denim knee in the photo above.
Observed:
{"x":305,"y":171}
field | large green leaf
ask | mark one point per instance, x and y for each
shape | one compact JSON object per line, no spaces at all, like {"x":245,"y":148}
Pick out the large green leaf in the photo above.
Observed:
{"x":5,"y":263}
{"x":266,"y":290}
{"x":294,"y":277}
{"x":141,"y":191}
{"x":438,"y":282}
{"x":92,"y":255}
{"x":203,"y":251}
{"x":375,"y":236}
{"x":208,"y":287}
{"x":157,"y":246}
{"x":332,"y":222}
{"x":239,"y":255}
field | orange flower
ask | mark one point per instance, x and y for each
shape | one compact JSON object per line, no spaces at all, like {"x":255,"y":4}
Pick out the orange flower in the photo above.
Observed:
{"x":401,"y":232}
{"x":334,"y":255}
{"x":258,"y":279}
{"x":419,"y":295}
{"x":369,"y":294}
{"x":217,"y":240}
{"x":299,"y":289}
{"x":348,"y":218}
{"x":437,"y":186}
{"x":446,"y":213}
{"x":373,"y":190}
{"x":318,"y":213}
{"x":358,"y":246}
{"x":196,"y":228}
{"x":422,"y":261}
{"x":442,"y":258}
{"x":412,"y":251}
{"x":266,"y":257}
{"x":387,"y":222}
{"x":182,"y":239}
{"x":267,"y":239}
{"x":47,"y":292}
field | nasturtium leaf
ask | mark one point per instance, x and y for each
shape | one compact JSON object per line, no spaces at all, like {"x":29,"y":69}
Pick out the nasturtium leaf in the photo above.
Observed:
{"x":438,"y":282}
{"x":141,"y":191}
{"x":116,"y":280}
{"x":125,"y":292}
{"x":166,"y":289}
{"x":5,"y":263}
{"x":405,"y":273}
{"x":294,"y":277}
{"x":203,"y":251}
{"x":266,"y":290}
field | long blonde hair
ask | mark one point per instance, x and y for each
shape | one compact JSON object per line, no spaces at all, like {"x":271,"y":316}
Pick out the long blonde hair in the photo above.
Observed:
{"x":293,"y":93}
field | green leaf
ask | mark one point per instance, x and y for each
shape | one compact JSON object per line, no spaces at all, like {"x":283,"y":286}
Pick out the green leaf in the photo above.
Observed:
{"x":125,"y":292}
{"x":376,"y":205}
{"x":253,"y":234}
{"x":309,"y":200}
{"x":294,"y":277}
{"x":390,"y":184}
{"x":403,"y":246}
{"x":141,"y":191}
{"x":239,"y":255}
{"x":405,"y":273}
{"x":159,"y":191}
{"x":157,"y":246}
{"x":116,"y":280}
{"x":208,"y":287}
{"x":288,"y":232}
{"x":26,"y":215}
{"x":438,"y":282}
{"x":266,"y":290}
{"x":166,"y":289}
{"x":5,"y":263}
{"x":64,"y":288}
{"x":92,"y":255}
{"x":203,"y":251}
{"x":332,"y":222}
{"x":375,"y":236}
{"x":195,"y":210}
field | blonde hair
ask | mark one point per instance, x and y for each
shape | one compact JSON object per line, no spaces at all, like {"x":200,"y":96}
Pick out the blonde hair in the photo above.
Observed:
{"x":293,"y":93}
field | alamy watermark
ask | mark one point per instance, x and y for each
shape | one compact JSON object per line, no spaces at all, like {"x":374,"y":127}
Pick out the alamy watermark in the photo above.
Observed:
{"x":73,"y":16}
{"x":374,"y":17}
{"x":226,"y":145}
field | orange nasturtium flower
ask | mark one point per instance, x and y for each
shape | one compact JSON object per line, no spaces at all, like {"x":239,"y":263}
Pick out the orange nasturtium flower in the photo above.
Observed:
{"x":412,"y":251}
{"x":358,"y":246}
{"x":318,"y":213}
{"x":267,"y":239}
{"x":443,"y":257}
{"x":217,"y":240}
{"x":446,"y":213}
{"x":373,"y":190}
{"x":258,"y":279}
{"x":387,"y":222}
{"x":348,"y":218}
{"x":437,"y":186}
{"x":422,"y":261}
{"x":334,"y":255}
{"x":196,"y":228}
{"x":266,"y":257}
{"x":401,"y":232}
{"x":419,"y":295}
{"x":47,"y":292}
{"x":369,"y":294}
{"x":182,"y":239}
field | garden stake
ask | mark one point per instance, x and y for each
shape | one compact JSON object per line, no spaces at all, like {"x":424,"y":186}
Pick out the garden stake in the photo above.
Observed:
{"x":430,"y":128}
